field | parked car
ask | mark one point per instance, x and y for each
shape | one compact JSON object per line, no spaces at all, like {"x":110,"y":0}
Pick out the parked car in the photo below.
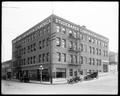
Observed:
{"x":91,"y":76}
{"x":74,"y":80}
{"x":24,"y":78}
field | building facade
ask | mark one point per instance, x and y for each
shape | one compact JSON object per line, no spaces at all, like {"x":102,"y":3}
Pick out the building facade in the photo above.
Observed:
{"x":6,"y":69}
{"x":113,"y":58}
{"x":63,"y":48}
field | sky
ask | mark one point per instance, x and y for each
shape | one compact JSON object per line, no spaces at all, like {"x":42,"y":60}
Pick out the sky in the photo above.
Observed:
{"x":18,"y":17}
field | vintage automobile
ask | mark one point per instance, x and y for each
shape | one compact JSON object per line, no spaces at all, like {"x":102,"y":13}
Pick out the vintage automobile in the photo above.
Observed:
{"x":73,"y":80}
{"x":24,"y":77}
{"x":91,"y":76}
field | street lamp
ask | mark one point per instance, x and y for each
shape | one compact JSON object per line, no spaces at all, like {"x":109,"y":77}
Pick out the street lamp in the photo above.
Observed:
{"x":41,"y":68}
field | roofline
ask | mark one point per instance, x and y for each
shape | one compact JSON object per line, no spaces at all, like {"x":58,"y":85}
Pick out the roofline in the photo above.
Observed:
{"x":31,"y":28}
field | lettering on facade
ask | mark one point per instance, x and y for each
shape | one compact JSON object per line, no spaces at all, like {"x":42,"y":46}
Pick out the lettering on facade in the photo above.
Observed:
{"x":66,"y":24}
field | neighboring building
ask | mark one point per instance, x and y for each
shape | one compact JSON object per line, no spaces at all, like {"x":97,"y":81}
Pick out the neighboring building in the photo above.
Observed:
{"x":6,"y":69}
{"x":113,"y":58}
{"x":63,"y":48}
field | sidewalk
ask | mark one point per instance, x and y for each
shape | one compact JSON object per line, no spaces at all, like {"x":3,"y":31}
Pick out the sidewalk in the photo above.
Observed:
{"x":55,"y":81}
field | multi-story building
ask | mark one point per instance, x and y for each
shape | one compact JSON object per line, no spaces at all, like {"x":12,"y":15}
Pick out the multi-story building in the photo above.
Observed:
{"x":63,"y":48}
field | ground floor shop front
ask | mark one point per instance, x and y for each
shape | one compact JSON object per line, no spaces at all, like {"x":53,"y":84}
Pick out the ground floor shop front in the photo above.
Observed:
{"x":56,"y":71}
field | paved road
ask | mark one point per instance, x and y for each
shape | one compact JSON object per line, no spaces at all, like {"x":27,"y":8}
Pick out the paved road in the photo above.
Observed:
{"x":108,"y":84}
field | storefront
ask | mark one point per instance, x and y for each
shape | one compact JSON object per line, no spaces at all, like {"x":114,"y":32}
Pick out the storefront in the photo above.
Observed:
{"x":60,"y":72}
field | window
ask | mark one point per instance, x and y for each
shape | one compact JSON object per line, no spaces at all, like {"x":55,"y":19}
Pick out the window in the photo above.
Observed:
{"x":64,"y":57}
{"x":43,"y":57}
{"x":28,"y":38}
{"x":106,"y":53}
{"x":89,"y":38}
{"x":34,"y":45}
{"x":85,"y":58}
{"x":71,"y":58}
{"x":24,"y":62}
{"x":97,"y":61}
{"x":34,"y":36}
{"x":103,"y":52}
{"x":85,"y":48}
{"x":40,"y":32}
{"x":28,"y":49}
{"x":70,"y":32}
{"x":75,"y":46}
{"x":71,"y":72}
{"x":97,"y":51}
{"x":43,"y":43}
{"x":90,"y":61}
{"x":90,"y":49}
{"x":98,"y":42}
{"x":75,"y":59}
{"x":47,"y":42}
{"x":106,"y":45}
{"x":24,"y":50}
{"x":75,"y":34}
{"x":71,"y":44}
{"x":34,"y":59}
{"x":81,"y":60}
{"x":63,"y":30}
{"x":28,"y":60}
{"x":58,"y":28}
{"x":40,"y":58}
{"x":47,"y":57}
{"x":90,"y":71}
{"x":93,"y":40}
{"x":81,"y":36}
{"x":93,"y":50}
{"x":58,"y":41}
{"x":31,"y":60}
{"x":81,"y":47}
{"x":44,"y":30}
{"x":59,"y":56}
{"x":40,"y":44}
{"x":31,"y":37}
{"x":100,"y":62}
{"x":31,"y":48}
{"x":64,"y":43}
{"x":93,"y":61}
{"x":48,"y":29}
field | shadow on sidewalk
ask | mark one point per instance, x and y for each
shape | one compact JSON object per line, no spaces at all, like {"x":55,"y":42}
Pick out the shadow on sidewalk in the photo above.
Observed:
{"x":36,"y":82}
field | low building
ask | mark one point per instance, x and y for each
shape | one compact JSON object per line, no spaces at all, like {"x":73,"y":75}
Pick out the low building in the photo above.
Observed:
{"x":6,"y":69}
{"x":113,"y":58}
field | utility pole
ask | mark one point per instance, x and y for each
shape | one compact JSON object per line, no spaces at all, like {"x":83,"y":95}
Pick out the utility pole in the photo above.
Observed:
{"x":51,"y":38}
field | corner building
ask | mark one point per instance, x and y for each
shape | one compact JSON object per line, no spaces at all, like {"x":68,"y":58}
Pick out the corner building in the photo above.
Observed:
{"x":63,"y":48}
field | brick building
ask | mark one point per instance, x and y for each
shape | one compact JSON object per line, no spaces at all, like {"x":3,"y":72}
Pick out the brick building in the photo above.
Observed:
{"x":63,"y":48}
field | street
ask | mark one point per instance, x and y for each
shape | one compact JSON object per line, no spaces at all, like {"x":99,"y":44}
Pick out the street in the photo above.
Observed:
{"x":105,"y":84}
